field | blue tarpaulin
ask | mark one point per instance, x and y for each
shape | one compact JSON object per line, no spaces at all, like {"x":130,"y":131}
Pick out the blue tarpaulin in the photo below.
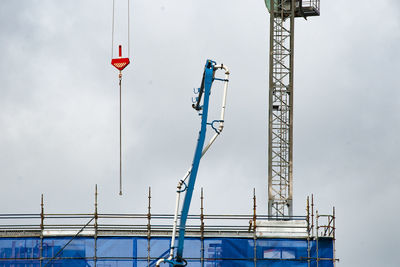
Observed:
{"x":133,"y":252}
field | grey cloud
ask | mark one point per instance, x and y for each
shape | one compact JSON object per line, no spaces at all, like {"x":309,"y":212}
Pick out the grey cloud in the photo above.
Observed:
{"x":59,"y":111}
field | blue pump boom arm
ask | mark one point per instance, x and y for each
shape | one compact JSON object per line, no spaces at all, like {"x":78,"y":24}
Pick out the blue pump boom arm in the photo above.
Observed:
{"x":208,"y":77}
{"x":187,"y":183}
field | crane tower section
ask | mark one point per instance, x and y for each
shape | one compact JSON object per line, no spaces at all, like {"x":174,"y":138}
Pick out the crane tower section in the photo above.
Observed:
{"x":280,"y":134}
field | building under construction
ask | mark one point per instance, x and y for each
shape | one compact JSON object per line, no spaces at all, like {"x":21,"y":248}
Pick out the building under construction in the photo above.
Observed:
{"x":277,"y":239}
{"x":142,"y":239}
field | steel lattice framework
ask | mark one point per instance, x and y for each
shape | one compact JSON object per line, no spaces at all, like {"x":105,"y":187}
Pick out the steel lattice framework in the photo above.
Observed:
{"x":280,"y":167}
{"x":280,"y":136}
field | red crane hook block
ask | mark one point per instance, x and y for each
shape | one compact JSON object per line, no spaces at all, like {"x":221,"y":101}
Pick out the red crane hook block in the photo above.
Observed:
{"x":121,"y":62}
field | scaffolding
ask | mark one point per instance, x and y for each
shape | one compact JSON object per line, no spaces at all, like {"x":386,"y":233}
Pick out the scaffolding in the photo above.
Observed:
{"x":103,"y":239}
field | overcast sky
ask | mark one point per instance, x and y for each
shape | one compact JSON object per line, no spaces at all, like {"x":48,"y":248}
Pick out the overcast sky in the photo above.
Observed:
{"x":59,"y":111}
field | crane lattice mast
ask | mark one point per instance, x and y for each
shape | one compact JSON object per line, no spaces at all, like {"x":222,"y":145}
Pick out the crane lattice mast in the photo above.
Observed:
{"x":280,"y":135}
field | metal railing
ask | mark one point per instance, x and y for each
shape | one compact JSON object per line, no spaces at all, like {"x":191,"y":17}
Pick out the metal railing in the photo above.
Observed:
{"x":148,"y":225}
{"x":64,"y":224}
{"x":311,"y":3}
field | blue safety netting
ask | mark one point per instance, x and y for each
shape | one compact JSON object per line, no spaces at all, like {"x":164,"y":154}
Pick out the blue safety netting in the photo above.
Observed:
{"x":140,"y":251}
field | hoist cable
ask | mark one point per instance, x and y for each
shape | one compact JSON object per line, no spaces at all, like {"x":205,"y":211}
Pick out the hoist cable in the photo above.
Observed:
{"x":129,"y":41}
{"x":120,"y":135}
{"x":112,"y":30}
{"x":120,"y":86}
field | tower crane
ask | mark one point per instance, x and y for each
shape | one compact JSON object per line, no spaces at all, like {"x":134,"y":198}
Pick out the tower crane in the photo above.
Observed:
{"x":280,"y":126}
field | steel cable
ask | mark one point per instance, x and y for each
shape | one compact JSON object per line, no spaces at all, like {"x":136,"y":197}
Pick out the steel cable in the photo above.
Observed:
{"x":120,"y":135}
{"x":129,"y":39}
{"x":112,"y":29}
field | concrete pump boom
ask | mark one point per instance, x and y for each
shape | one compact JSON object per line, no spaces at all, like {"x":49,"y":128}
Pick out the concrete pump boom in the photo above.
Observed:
{"x":201,"y":104}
